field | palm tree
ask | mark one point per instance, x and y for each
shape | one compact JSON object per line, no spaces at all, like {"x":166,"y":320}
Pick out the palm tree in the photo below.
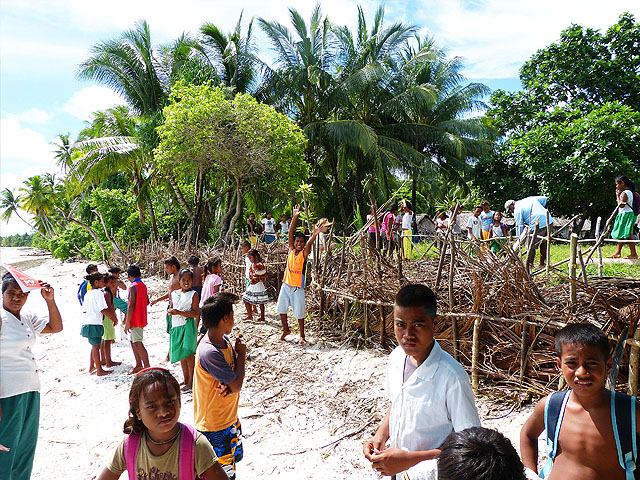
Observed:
{"x":232,"y":55}
{"x":10,"y":203}
{"x":38,"y":198}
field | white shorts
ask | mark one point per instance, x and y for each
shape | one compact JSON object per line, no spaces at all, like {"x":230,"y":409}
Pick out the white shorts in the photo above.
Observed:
{"x":294,"y":297}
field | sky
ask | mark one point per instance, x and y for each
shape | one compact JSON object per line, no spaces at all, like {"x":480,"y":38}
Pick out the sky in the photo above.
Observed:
{"x":43,"y":41}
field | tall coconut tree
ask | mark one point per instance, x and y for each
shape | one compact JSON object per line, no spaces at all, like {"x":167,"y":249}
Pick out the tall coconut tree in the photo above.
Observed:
{"x":10,"y":205}
{"x":38,"y":197}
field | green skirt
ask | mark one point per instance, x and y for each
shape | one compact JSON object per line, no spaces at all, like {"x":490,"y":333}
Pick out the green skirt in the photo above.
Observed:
{"x":623,"y":226}
{"x":109,"y":330}
{"x":183,"y":341}
{"x":120,"y":304}
{"x":168,"y":319}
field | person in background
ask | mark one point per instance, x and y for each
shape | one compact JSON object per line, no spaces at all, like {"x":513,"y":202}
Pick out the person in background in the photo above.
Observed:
{"x":526,"y":212}
{"x":253,"y":229}
{"x":386,"y":230}
{"x":136,"y":318}
{"x":498,"y":232}
{"x":371,"y":217}
{"x":96,"y":308}
{"x":283,"y":227}
{"x":486,"y":218}
{"x":171,"y":267}
{"x":626,"y":218}
{"x":109,"y":322}
{"x":19,"y":380}
{"x":455,"y":229}
{"x":474,"y":225}
{"x":407,"y":231}
{"x":269,"y":228}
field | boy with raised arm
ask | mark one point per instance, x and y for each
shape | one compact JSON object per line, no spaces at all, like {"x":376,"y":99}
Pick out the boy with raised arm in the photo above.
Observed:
{"x":598,"y":438}
{"x":292,"y":290}
{"x":429,"y":391}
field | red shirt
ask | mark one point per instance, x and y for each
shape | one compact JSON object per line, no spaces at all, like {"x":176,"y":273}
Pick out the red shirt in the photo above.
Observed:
{"x":139,"y":315}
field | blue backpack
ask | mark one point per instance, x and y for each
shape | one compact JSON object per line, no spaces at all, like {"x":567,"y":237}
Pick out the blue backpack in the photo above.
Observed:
{"x":82,"y":291}
{"x":623,"y":417}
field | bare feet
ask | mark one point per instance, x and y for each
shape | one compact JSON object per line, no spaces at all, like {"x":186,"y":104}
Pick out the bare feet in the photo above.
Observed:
{"x":261,"y":319}
{"x":631,"y":257}
{"x":185,"y":388}
{"x":135,"y":370}
{"x":284,"y":334}
{"x":615,"y":255}
{"x":92,"y":370}
{"x":102,"y":373}
{"x":247,"y":319}
{"x":113,"y":364}
{"x":302,"y":341}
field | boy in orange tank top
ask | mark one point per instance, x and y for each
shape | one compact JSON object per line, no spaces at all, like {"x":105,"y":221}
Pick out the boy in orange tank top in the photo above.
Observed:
{"x":292,"y":290}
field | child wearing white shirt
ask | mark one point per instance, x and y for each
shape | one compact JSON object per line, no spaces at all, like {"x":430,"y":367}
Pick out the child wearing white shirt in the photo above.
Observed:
{"x":429,"y":391}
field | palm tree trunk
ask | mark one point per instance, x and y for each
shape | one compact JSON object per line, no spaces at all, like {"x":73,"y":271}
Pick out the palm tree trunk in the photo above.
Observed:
{"x":414,"y":188}
{"x":111,"y":239}
{"x":338,"y":187}
{"x":358,"y":192}
{"x":230,"y":203}
{"x":236,"y":215}
{"x":154,"y":225}
{"x":94,"y":235}
{"x":183,"y":203}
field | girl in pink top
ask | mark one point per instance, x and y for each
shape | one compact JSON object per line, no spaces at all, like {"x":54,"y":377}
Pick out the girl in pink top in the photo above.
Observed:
{"x":211,"y":282}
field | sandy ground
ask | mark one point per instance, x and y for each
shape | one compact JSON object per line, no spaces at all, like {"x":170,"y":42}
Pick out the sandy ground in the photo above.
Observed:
{"x":304,"y":410}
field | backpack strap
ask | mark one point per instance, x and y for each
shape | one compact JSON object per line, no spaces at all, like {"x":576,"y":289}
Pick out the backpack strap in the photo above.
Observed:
{"x":131,"y":448}
{"x":623,"y":418}
{"x":187,"y":453}
{"x":553,"y":413}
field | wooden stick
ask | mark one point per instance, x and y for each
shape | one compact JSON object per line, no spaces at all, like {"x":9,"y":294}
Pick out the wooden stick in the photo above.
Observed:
{"x":366,"y":322}
{"x":475,"y":354}
{"x":532,"y":247}
{"x":583,"y":267}
{"x":634,"y":364}
{"x":454,"y":325}
{"x":449,"y":234}
{"x":547,"y":260}
{"x":600,"y":268}
{"x":346,"y":314}
{"x":523,"y":353}
{"x":383,"y":323}
{"x":572,"y":271}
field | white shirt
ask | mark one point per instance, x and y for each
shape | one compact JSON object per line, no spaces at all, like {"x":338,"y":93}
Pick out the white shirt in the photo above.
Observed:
{"x":475,"y":225}
{"x":94,"y":303}
{"x":434,"y":401}
{"x":269,"y":225}
{"x":247,"y":266}
{"x":181,"y":301}
{"x":406,"y":221}
{"x":18,"y":369}
{"x":284,"y":228}
{"x":629,"y":204}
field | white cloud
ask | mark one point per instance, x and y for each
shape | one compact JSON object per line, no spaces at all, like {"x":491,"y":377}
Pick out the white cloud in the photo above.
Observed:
{"x":21,"y":147}
{"x":88,"y":100}
{"x":35,"y":116}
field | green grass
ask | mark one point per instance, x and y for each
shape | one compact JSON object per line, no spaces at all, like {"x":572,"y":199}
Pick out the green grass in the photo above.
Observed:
{"x":561,"y":251}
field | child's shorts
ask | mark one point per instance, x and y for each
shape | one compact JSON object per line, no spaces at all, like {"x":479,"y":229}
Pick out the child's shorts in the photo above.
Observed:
{"x":227,"y":444}
{"x":109,"y":330}
{"x":120,"y":304}
{"x":137,"y":334}
{"x":294,"y":297}
{"x":93,"y":333}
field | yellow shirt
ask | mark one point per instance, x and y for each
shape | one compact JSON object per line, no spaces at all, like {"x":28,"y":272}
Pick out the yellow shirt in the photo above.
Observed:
{"x":294,"y":272}
{"x":163,"y":466}
{"x":211,"y":412}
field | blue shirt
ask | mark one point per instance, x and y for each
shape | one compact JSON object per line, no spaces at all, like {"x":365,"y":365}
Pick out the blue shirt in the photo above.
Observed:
{"x":487,"y":219}
{"x":528,"y":210}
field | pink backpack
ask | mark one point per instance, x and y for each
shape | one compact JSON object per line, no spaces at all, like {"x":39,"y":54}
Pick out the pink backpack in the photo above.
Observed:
{"x":186,"y":454}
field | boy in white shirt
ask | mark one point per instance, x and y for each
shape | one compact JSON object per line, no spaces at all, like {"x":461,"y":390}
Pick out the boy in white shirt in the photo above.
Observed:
{"x":269,"y":228}
{"x":429,"y":391}
{"x":474,"y":225}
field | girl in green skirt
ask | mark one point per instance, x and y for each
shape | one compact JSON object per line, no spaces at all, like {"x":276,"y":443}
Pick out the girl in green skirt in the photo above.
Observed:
{"x":626,"y":219}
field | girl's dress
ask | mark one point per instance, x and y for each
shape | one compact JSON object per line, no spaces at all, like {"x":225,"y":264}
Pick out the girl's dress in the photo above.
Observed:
{"x":107,"y":324}
{"x":497,"y":233}
{"x":256,"y":293}
{"x":183,"y":338}
{"x":623,"y":225}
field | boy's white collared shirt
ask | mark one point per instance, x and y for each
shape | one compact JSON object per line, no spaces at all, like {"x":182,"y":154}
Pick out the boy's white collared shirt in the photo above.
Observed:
{"x":434,"y":401}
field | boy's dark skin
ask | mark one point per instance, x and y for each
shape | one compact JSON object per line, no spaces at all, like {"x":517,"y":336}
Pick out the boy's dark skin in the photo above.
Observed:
{"x":112,"y":285}
{"x":139,"y":351}
{"x":215,"y":335}
{"x":197,"y":274}
{"x":174,"y":284}
{"x":586,"y":444}
{"x":413,"y":329}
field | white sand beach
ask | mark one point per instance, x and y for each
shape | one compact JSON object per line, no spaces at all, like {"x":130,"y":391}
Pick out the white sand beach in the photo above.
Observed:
{"x":304,"y":410}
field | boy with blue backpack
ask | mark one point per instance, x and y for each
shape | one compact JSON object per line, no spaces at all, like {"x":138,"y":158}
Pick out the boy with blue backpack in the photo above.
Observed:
{"x":591,"y":431}
{"x":85,"y":285}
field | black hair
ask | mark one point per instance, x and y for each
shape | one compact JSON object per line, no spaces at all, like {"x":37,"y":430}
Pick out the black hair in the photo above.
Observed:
{"x":484,"y":202}
{"x":408,"y":204}
{"x":7,"y":279}
{"x":478,"y":453}
{"x":108,"y":277}
{"x":142,"y":380}
{"x":255,"y":254}
{"x":172,"y":261}
{"x":478,"y":206}
{"x":267,"y":212}
{"x":194,"y":260}
{"x":211,"y":264}
{"x":93,"y":278}
{"x":91,"y":268}
{"x":299,"y":235}
{"x":115,"y":270}
{"x":416,"y":295}
{"x":216,"y":307}
{"x":185,"y":271}
{"x":245,"y":244}
{"x":134,"y":271}
{"x":627,"y":181}
{"x":582,"y":334}
{"x":393,"y":206}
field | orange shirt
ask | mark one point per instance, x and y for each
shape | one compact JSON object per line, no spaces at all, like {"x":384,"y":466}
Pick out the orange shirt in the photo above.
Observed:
{"x":294,"y":272}
{"x":211,"y":412}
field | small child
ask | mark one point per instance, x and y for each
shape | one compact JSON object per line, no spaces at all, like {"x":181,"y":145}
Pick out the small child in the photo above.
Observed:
{"x":474,"y":225}
{"x":136,"y":318}
{"x":244,"y":248}
{"x":479,"y":453}
{"x":109,"y":322}
{"x":292,"y":290}
{"x":218,"y":378}
{"x":194,"y":262}
{"x":429,"y":391}
{"x":95,"y":307}
{"x":184,"y":332}
{"x":117,"y":301}
{"x":407,"y":228}
{"x":211,"y":284}
{"x":172,"y":267}
{"x":498,"y":231}
{"x":588,"y":426}
{"x":85,"y":286}
{"x":256,"y":293}
{"x":486,"y":218}
{"x":156,"y":444}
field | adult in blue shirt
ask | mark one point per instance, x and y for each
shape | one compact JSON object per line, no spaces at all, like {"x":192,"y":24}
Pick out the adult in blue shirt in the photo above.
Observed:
{"x":526,"y":212}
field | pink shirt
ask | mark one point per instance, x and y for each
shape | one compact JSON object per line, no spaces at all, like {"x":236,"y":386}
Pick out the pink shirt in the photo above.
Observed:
{"x":372,"y":228}
{"x":383,"y":227}
{"x":210,"y":282}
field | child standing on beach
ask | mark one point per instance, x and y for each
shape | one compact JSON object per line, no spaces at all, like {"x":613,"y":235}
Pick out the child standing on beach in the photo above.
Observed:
{"x":429,"y":391}
{"x":95,"y":307}
{"x":184,"y":332}
{"x":498,"y":231}
{"x":591,"y":431}
{"x":172,"y":267}
{"x":156,"y":444}
{"x":218,"y":378}
{"x":292,"y":290}
{"x":136,"y":318}
{"x":212,"y":283}
{"x":244,"y":248}
{"x":256,"y":293}
{"x":109,"y":322}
